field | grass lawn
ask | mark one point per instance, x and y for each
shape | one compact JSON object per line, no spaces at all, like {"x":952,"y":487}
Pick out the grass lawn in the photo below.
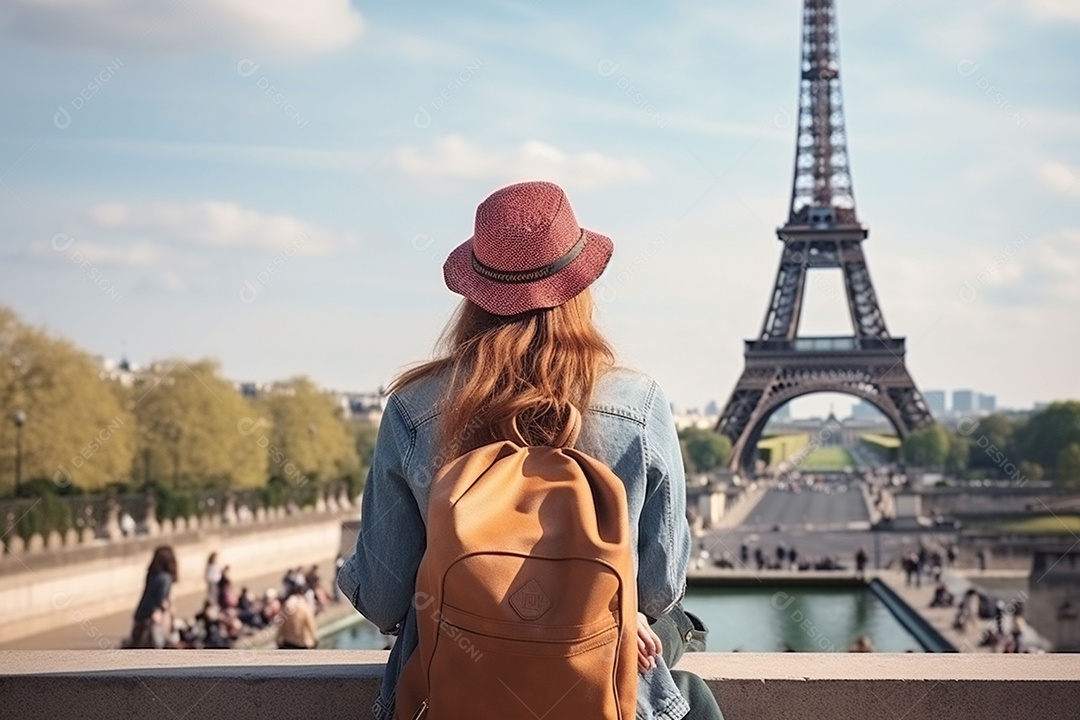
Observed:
{"x":827,"y":458}
{"x":783,"y":447}
{"x":889,"y":442}
{"x":1064,"y":524}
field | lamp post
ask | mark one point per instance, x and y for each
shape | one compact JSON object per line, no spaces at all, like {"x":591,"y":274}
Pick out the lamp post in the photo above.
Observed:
{"x":19,"y":418}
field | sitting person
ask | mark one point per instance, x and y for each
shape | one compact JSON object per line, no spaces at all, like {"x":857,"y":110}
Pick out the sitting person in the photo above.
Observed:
{"x":528,"y":348}
{"x":271,"y":606}
{"x":298,"y":630}
{"x":215,"y":636}
{"x":247,"y":612}
{"x":942,"y":596}
{"x":967,"y":611}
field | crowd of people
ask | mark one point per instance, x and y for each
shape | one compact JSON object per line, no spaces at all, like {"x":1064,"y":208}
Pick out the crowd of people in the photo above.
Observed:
{"x":287,"y":614}
{"x":1006,"y":626}
{"x":926,"y":561}
{"x":783,"y":558}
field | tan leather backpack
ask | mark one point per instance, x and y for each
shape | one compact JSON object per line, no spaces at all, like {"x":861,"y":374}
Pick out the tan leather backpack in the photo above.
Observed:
{"x":526,"y":597}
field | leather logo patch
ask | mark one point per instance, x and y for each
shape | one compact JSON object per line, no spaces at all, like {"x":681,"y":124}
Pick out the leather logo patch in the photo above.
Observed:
{"x":529,"y":601}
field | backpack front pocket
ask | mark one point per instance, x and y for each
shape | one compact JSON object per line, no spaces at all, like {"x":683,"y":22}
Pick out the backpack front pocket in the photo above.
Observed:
{"x":486,"y":671}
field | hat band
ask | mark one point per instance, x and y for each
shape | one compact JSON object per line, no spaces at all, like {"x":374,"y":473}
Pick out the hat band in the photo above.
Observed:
{"x":526,"y":276}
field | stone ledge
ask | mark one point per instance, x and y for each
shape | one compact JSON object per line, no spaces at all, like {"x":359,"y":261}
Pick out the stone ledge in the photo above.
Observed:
{"x":238,"y":685}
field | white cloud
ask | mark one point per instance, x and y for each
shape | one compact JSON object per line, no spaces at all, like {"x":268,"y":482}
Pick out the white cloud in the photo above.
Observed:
{"x":68,"y":247}
{"x":119,"y":26}
{"x":175,"y":246}
{"x":1068,"y":10}
{"x":174,"y":236}
{"x":1053,"y":269}
{"x":453,"y":158}
{"x":1025,"y":273}
{"x":210,"y":224}
{"x":136,"y":255}
{"x":1060,"y":178}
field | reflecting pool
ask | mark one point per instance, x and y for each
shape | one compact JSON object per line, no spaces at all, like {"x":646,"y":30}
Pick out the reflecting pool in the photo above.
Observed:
{"x":805,"y":619}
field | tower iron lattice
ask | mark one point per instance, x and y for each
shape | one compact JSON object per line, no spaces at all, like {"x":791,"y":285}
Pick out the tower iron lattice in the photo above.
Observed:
{"x":822,"y":231}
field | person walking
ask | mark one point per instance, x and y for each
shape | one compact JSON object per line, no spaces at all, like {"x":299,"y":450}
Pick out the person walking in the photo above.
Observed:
{"x":524,"y":345}
{"x":153,"y":615}
{"x":860,"y":564}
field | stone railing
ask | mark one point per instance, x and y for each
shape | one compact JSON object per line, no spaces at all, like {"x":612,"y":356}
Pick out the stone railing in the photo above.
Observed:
{"x":101,"y":520}
{"x":243,"y":685}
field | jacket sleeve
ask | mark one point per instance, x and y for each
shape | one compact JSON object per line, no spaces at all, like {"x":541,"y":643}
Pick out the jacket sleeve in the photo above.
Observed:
{"x":379,"y":578}
{"x":663,"y":532}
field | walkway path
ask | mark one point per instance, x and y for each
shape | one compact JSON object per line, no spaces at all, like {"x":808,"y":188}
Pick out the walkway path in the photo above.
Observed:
{"x":743,"y":507}
{"x":942,"y":618}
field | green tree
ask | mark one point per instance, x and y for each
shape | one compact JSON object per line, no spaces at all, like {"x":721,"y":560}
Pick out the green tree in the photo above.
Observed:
{"x":1068,"y":465}
{"x":195,"y":428}
{"x":308,"y":429}
{"x":927,"y":447}
{"x":704,"y":450}
{"x":77,"y":430}
{"x":1031,"y":471}
{"x":994,"y":433}
{"x":956,"y":456}
{"x":1048,"y":433}
{"x":365,"y":434}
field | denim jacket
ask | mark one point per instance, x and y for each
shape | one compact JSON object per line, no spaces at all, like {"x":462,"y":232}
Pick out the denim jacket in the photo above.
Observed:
{"x":628,"y":426}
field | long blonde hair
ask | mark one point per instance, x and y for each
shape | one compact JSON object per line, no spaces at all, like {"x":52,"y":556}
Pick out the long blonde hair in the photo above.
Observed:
{"x":531,"y":367}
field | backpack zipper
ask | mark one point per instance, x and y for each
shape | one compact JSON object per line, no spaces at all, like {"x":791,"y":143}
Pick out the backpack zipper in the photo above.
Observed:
{"x":421,"y":711}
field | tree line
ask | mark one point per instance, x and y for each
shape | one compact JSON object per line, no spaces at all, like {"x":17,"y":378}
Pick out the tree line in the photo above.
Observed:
{"x":704,"y":450}
{"x":1044,"y":446}
{"x":70,"y":427}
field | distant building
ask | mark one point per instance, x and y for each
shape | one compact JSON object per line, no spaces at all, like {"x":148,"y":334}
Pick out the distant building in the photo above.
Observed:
{"x":122,"y":372}
{"x":256,"y":389}
{"x":362,"y":407}
{"x":783,"y":412}
{"x":694,"y":418}
{"x":711,"y":408}
{"x":987,"y":403}
{"x":935,"y":400}
{"x":864,"y":410}
{"x":963,"y":401}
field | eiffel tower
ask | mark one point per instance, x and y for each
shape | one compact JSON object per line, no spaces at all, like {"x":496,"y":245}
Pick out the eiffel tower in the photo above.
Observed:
{"x":822,"y":231}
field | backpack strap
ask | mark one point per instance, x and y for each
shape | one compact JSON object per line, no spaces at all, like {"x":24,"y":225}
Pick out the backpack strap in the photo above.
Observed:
{"x":566,"y":437}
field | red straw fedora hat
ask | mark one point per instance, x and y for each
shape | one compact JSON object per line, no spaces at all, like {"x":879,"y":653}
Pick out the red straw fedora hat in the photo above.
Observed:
{"x":527,"y":252}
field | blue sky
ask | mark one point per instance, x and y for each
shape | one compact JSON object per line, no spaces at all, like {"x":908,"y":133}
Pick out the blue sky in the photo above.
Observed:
{"x":275,"y":184}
